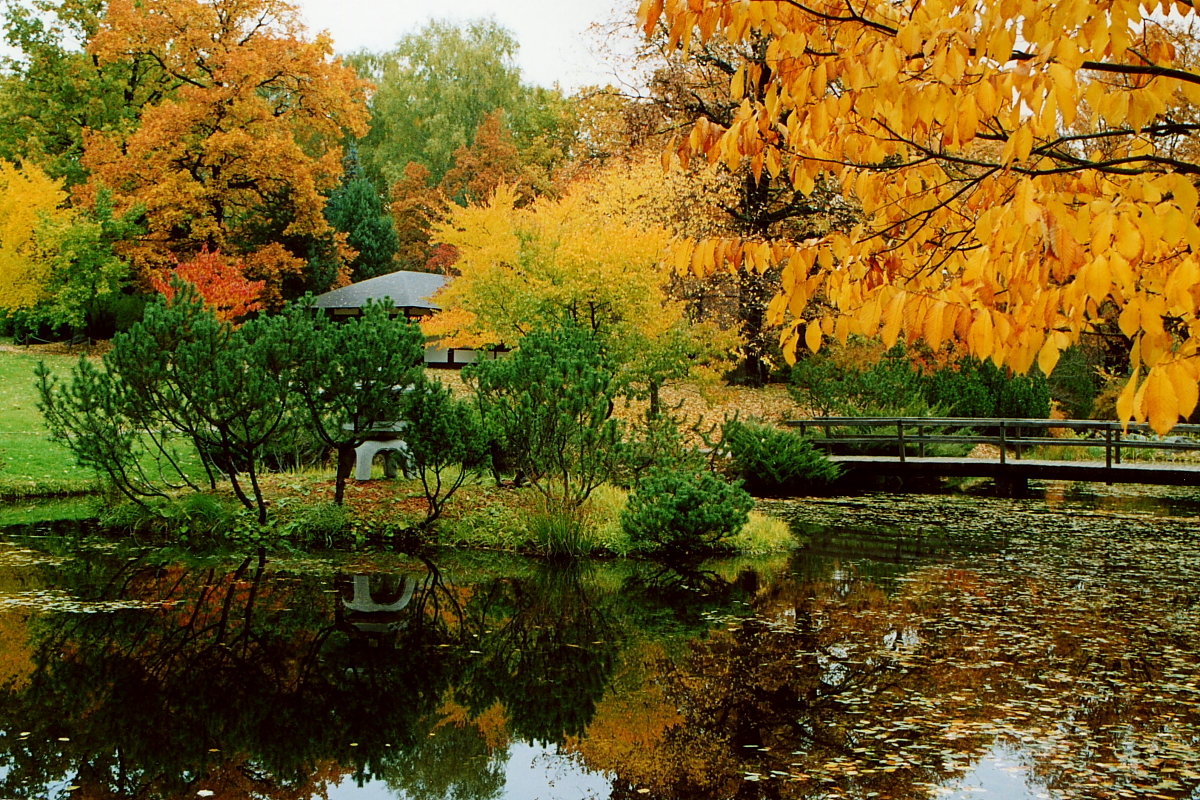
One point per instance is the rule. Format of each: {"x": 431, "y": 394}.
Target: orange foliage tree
{"x": 493, "y": 160}
{"x": 416, "y": 207}
{"x": 222, "y": 284}
{"x": 1021, "y": 169}
{"x": 237, "y": 155}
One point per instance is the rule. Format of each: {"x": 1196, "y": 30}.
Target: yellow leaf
{"x": 1097, "y": 279}
{"x": 1048, "y": 356}
{"x": 1126, "y": 397}
{"x": 1130, "y": 319}
{"x": 1022, "y": 142}
{"x": 1129, "y": 239}
{"x": 1161, "y": 405}
{"x": 935, "y": 325}
{"x": 841, "y": 329}
{"x": 1187, "y": 394}
{"x": 892, "y": 319}
{"x": 788, "y": 343}
{"x": 1185, "y": 193}
{"x": 812, "y": 335}
{"x": 980, "y": 338}
{"x": 968, "y": 120}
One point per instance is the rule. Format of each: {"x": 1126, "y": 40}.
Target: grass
{"x": 30, "y": 464}
{"x": 30, "y": 512}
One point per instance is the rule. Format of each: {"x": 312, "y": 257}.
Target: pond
{"x": 916, "y": 647}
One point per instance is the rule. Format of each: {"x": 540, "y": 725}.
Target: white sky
{"x": 556, "y": 44}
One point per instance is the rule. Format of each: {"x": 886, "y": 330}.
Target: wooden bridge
{"x": 1042, "y": 449}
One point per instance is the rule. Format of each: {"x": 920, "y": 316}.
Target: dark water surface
{"x": 918, "y": 647}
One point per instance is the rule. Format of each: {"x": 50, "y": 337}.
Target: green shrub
{"x": 772, "y": 461}
{"x": 180, "y": 372}
{"x": 835, "y": 383}
{"x": 319, "y": 524}
{"x": 446, "y": 442}
{"x": 680, "y": 512}
{"x": 974, "y": 388}
{"x": 550, "y": 404}
{"x": 656, "y": 443}
{"x": 1075, "y": 382}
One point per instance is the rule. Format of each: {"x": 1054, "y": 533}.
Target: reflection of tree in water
{"x": 250, "y": 683}
{"x": 835, "y": 689}
{"x": 233, "y": 683}
{"x": 454, "y": 761}
{"x": 418, "y": 620}
{"x": 680, "y": 596}
{"x": 546, "y": 650}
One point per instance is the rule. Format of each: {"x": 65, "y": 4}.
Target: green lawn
{"x": 29, "y": 462}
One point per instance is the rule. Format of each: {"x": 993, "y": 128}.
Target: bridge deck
{"x": 1167, "y": 473}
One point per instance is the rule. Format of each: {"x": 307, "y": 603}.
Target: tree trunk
{"x": 347, "y": 459}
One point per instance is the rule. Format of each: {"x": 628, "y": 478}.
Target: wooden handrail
{"x": 1012, "y": 432}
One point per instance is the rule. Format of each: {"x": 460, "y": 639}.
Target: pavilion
{"x": 411, "y": 293}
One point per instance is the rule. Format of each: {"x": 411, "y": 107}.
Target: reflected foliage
{"x": 883, "y": 661}
{"x": 547, "y": 650}
{"x": 1077, "y": 654}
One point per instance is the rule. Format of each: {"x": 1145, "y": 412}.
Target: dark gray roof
{"x": 406, "y": 290}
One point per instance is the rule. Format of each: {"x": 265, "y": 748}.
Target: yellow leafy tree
{"x": 583, "y": 255}
{"x": 1021, "y": 168}
{"x": 28, "y": 197}
{"x": 595, "y": 254}
{"x": 236, "y": 157}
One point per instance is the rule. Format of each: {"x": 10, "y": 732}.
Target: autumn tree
{"x": 1017, "y": 167}
{"x": 220, "y": 283}
{"x": 521, "y": 267}
{"x": 492, "y": 160}
{"x": 52, "y": 90}
{"x": 416, "y": 207}
{"x": 594, "y": 255}
{"x": 252, "y": 130}
{"x": 28, "y": 197}
{"x": 720, "y": 200}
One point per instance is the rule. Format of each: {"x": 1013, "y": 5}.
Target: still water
{"x": 916, "y": 647}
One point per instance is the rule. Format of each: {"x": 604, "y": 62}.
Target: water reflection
{"x": 1060, "y": 662}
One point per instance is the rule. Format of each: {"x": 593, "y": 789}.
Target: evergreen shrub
{"x": 676, "y": 512}
{"x": 771, "y": 461}
{"x": 974, "y": 388}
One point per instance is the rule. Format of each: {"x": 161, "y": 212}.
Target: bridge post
{"x": 1108, "y": 448}
{"x": 1003, "y": 443}
{"x": 900, "y": 437}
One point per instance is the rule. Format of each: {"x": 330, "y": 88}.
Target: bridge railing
{"x": 913, "y": 435}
